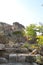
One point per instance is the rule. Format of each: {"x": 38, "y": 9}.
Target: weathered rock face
{"x": 2, "y": 46}
{"x": 16, "y": 58}
{"x": 17, "y": 27}
{"x": 30, "y": 59}
{"x": 19, "y": 58}
{"x": 24, "y": 50}
{"x": 21, "y": 50}
{"x": 3, "y": 60}
{"x": 16, "y": 50}
{"x": 7, "y": 30}
{"x": 12, "y": 58}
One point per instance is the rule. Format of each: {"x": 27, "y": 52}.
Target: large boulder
{"x": 21, "y": 59}
{"x": 17, "y": 26}
{"x": 16, "y": 58}
{"x": 13, "y": 58}
{"x": 3, "y": 60}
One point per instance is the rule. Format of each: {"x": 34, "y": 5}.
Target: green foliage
{"x": 40, "y": 40}
{"x": 26, "y": 45}
{"x": 39, "y": 59}
{"x": 40, "y": 29}
{"x": 30, "y": 30}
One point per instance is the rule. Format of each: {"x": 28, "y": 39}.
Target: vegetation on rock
{"x": 19, "y": 39}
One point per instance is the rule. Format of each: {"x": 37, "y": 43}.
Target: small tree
{"x": 30, "y": 31}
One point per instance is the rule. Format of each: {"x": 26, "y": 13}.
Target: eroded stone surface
{"x": 3, "y": 60}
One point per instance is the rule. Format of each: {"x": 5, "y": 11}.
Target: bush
{"x": 26, "y": 45}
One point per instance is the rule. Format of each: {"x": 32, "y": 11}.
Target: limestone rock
{"x": 3, "y": 60}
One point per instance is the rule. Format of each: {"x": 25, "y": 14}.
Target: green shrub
{"x": 26, "y": 45}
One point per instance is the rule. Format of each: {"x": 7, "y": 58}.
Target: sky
{"x": 23, "y": 11}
